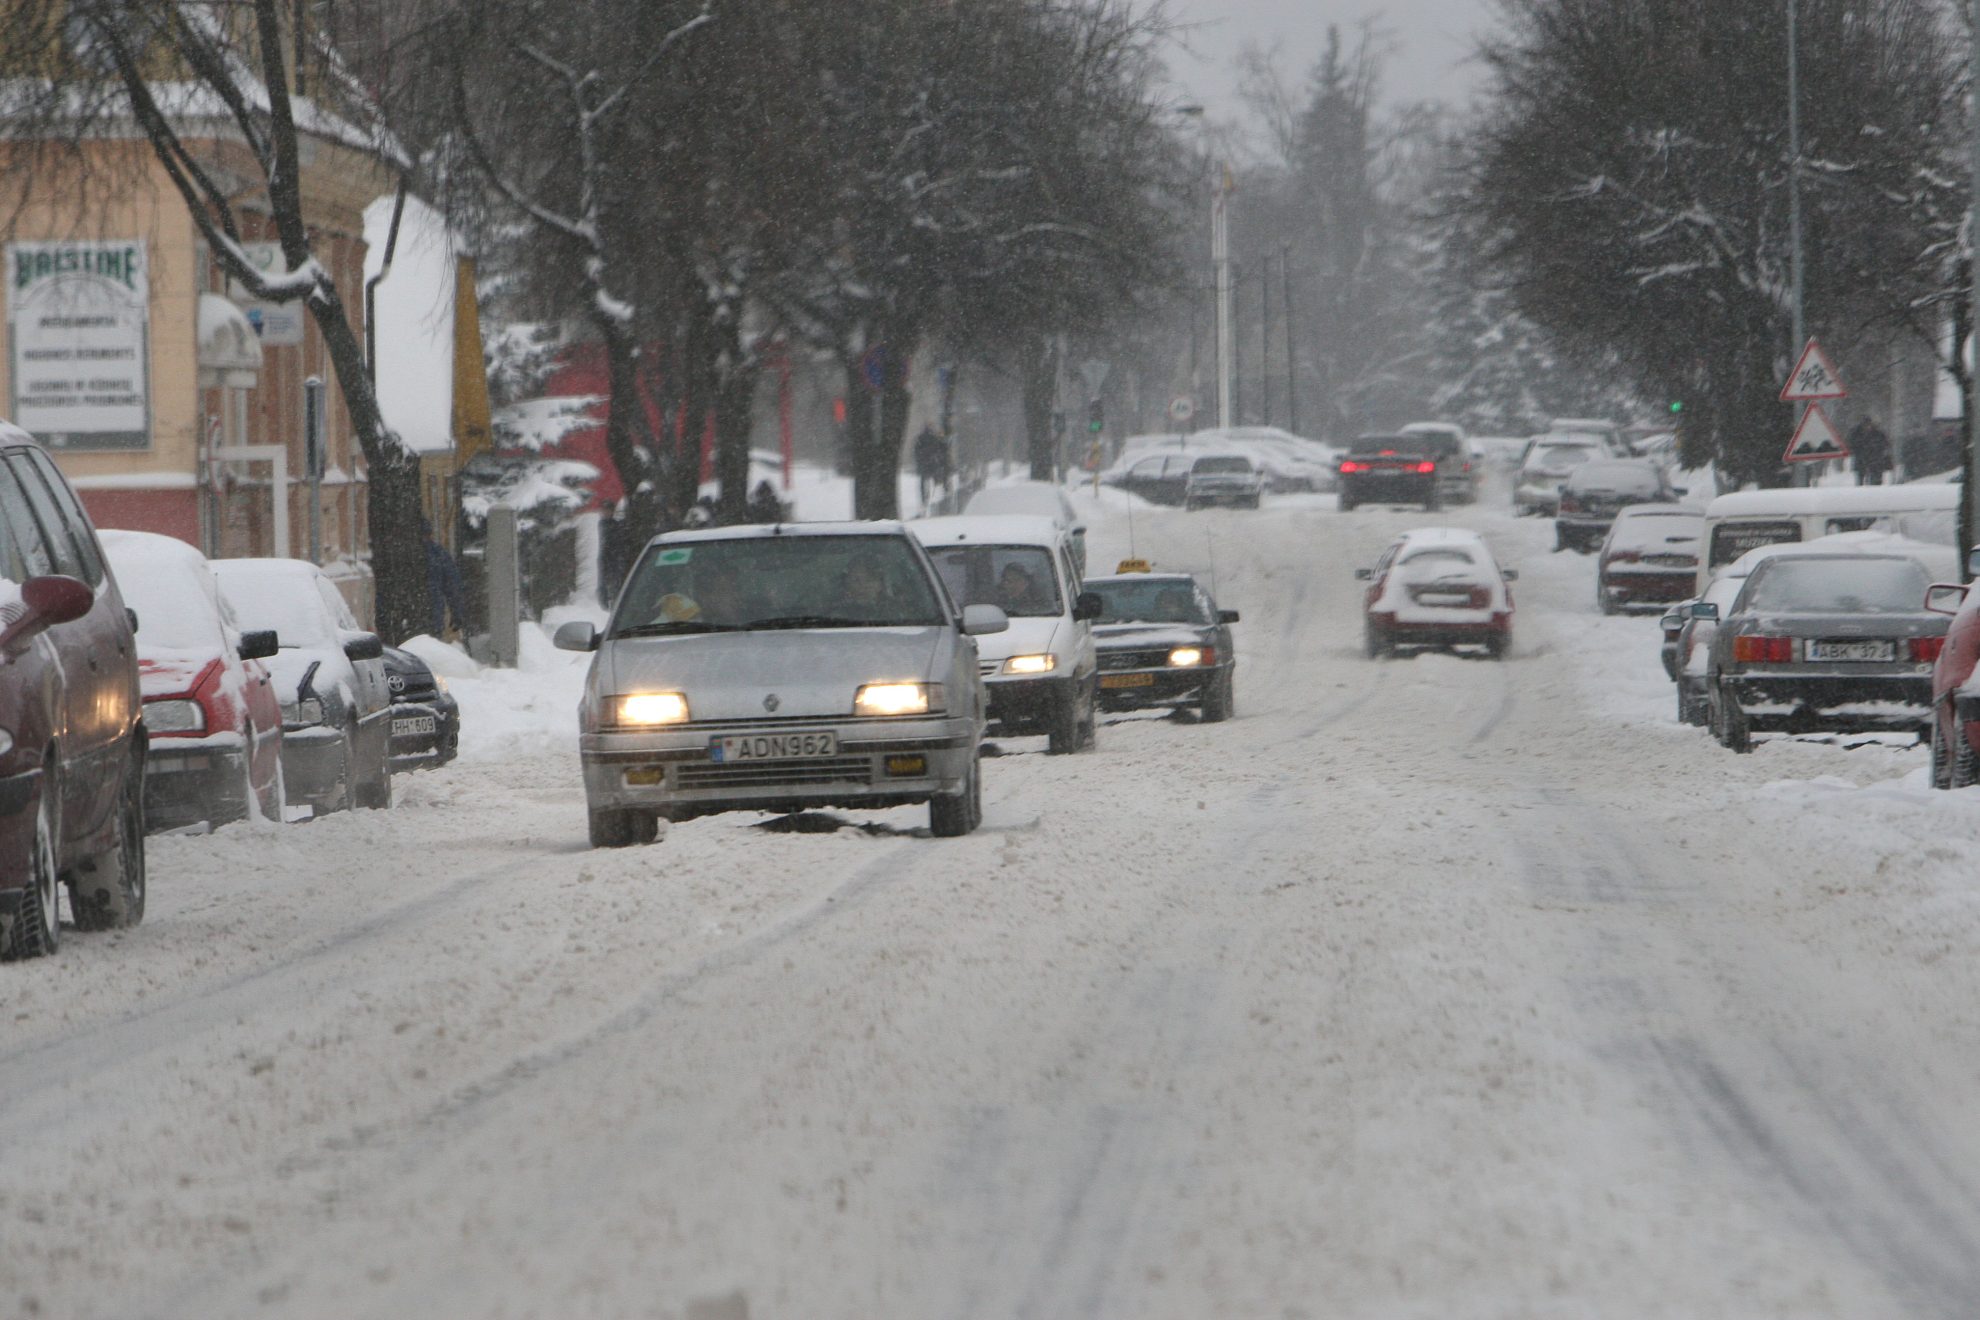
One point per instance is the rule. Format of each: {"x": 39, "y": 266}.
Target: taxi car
{"x": 1163, "y": 642}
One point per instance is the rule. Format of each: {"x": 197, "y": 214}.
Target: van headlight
{"x": 898, "y": 699}
{"x": 644, "y": 710}
{"x": 1031, "y": 664}
{"x": 174, "y": 717}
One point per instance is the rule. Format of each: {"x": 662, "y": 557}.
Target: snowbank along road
{"x": 1426, "y": 987}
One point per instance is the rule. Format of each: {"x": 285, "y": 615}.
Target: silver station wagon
{"x": 781, "y": 669}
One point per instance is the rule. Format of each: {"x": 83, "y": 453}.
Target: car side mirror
{"x": 50, "y": 600}
{"x": 130, "y": 617}
{"x": 1087, "y": 606}
{"x": 259, "y": 644}
{"x": 1227, "y": 616}
{"x": 1973, "y": 564}
{"x": 1945, "y": 597}
{"x": 979, "y": 620}
{"x": 1510, "y": 574}
{"x": 1364, "y": 575}
{"x": 363, "y": 646}
{"x": 575, "y": 636}
{"x": 1706, "y": 610}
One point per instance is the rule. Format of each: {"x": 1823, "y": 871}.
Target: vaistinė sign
{"x": 78, "y": 321}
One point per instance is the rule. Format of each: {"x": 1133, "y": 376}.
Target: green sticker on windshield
{"x": 676, "y": 556}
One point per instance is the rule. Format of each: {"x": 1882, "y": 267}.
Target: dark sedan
{"x": 426, "y": 720}
{"x": 1390, "y": 469}
{"x": 1163, "y": 642}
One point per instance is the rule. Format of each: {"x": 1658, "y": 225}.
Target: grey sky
{"x": 1431, "y": 40}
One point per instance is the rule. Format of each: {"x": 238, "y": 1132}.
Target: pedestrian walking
{"x": 446, "y": 595}
{"x": 1871, "y": 448}
{"x": 931, "y": 463}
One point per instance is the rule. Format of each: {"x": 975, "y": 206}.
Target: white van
{"x": 1042, "y": 675}
{"x": 1747, "y": 519}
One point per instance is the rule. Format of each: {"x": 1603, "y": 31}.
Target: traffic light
{"x": 1096, "y": 417}
{"x": 1677, "y": 406}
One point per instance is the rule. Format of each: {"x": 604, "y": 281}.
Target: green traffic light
{"x": 1677, "y": 406}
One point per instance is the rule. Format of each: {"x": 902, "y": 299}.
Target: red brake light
{"x": 1755, "y": 650}
{"x": 1626, "y": 557}
{"x": 1388, "y": 453}
{"x": 1925, "y": 650}
{"x": 1351, "y": 466}
{"x": 1426, "y": 467}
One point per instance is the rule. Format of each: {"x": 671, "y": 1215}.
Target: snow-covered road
{"x": 1433, "y": 987}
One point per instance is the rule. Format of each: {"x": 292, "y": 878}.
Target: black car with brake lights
{"x": 1163, "y": 642}
{"x": 1390, "y": 469}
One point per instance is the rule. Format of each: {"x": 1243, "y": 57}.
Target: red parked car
{"x": 1650, "y": 558}
{"x": 1955, "y": 702}
{"x": 71, "y": 745}
{"x": 209, "y": 706}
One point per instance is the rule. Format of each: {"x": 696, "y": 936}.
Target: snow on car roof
{"x": 988, "y": 529}
{"x": 13, "y": 435}
{"x": 1421, "y": 538}
{"x": 1798, "y": 500}
{"x": 1629, "y": 511}
{"x": 751, "y": 531}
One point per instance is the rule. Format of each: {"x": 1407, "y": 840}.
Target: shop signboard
{"x": 78, "y": 327}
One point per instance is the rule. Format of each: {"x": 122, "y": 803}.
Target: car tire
{"x": 107, "y": 892}
{"x": 1730, "y": 726}
{"x": 1254, "y": 502}
{"x": 37, "y": 928}
{"x": 1432, "y": 503}
{"x": 273, "y": 804}
{"x": 623, "y": 829}
{"x": 1063, "y": 735}
{"x": 1941, "y": 762}
{"x": 1497, "y": 645}
{"x": 375, "y": 794}
{"x": 1377, "y": 640}
{"x": 1963, "y": 769}
{"x": 953, "y": 817}
{"x": 1219, "y": 699}
{"x": 1346, "y": 504}
{"x": 1602, "y": 599}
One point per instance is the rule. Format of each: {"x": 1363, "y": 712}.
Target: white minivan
{"x": 1747, "y": 519}
{"x": 1042, "y": 674}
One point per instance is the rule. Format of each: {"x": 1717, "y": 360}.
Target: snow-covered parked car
{"x": 780, "y": 669}
{"x": 1595, "y": 492}
{"x": 210, "y": 708}
{"x": 1289, "y": 463}
{"x": 329, "y": 678}
{"x": 1227, "y": 480}
{"x": 1548, "y": 462}
{"x": 1032, "y": 499}
{"x": 1041, "y": 673}
{"x": 1437, "y": 586}
{"x": 1649, "y": 558}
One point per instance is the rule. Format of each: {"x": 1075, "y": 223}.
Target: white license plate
{"x": 772, "y": 747}
{"x": 1870, "y": 651}
{"x": 413, "y": 724}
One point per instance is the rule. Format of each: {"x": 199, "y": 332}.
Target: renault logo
{"x": 770, "y": 703}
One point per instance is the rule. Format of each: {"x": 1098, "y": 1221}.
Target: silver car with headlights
{"x": 781, "y": 669}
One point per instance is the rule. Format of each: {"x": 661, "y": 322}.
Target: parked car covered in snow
{"x": 329, "y": 678}
{"x": 426, "y": 720}
{"x": 1445, "y": 441}
{"x": 1437, "y": 586}
{"x": 1595, "y": 492}
{"x": 760, "y": 669}
{"x": 1041, "y": 672}
{"x": 1548, "y": 463}
{"x": 210, "y": 707}
{"x": 1836, "y": 641}
{"x": 1738, "y": 522}
{"x": 1649, "y": 558}
{"x": 71, "y": 742}
{"x": 1163, "y": 642}
{"x": 1228, "y": 480}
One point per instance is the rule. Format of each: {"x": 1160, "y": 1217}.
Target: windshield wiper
{"x": 683, "y": 626}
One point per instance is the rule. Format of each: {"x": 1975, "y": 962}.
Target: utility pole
{"x": 1794, "y": 209}
{"x": 1234, "y": 280}
{"x": 1292, "y": 361}
{"x": 1265, "y": 338}
{"x": 1220, "y": 256}
{"x": 1973, "y": 333}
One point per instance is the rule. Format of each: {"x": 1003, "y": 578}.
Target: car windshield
{"x": 1558, "y": 458}
{"x": 1156, "y": 600}
{"x": 1630, "y": 477}
{"x": 1207, "y": 465}
{"x": 176, "y": 610}
{"x": 1837, "y": 586}
{"x": 1448, "y": 554}
{"x": 760, "y": 582}
{"x": 283, "y": 601}
{"x": 1018, "y": 579}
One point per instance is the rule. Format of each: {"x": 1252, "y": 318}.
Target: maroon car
{"x": 1650, "y": 558}
{"x": 1955, "y": 704}
{"x": 71, "y": 745}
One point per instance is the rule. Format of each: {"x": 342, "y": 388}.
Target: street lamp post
{"x": 1220, "y": 257}
{"x": 1806, "y": 475}
{"x": 1973, "y": 318}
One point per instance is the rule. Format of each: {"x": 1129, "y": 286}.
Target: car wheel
{"x": 108, "y": 891}
{"x": 1497, "y": 645}
{"x": 1346, "y": 505}
{"x": 953, "y": 817}
{"x": 1063, "y": 737}
{"x": 1941, "y": 760}
{"x": 375, "y": 794}
{"x": 1603, "y": 599}
{"x": 1731, "y": 726}
{"x": 1217, "y": 699}
{"x": 623, "y": 829}
{"x": 1964, "y": 769}
{"x": 37, "y": 928}
{"x": 273, "y": 804}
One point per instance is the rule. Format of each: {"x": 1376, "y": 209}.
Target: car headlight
{"x": 307, "y": 711}
{"x": 174, "y": 717}
{"x": 898, "y": 699}
{"x": 440, "y": 682}
{"x": 646, "y": 709}
{"x": 6, "y": 742}
{"x": 1188, "y": 657}
{"x": 1031, "y": 664}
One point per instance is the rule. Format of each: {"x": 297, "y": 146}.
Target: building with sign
{"x": 173, "y": 403}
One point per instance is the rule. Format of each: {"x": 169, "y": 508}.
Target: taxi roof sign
{"x": 1134, "y": 566}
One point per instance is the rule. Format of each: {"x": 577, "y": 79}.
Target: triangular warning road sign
{"x": 1816, "y": 439}
{"x": 1814, "y": 377}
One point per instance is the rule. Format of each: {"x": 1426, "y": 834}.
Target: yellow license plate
{"x": 1127, "y": 680}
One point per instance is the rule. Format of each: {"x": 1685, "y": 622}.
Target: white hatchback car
{"x": 1043, "y": 673}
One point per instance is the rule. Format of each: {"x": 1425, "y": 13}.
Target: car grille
{"x": 1134, "y": 659}
{"x": 778, "y": 774}
{"x": 990, "y": 668}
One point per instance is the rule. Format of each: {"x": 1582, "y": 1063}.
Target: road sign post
{"x": 1816, "y": 439}
{"x": 1813, "y": 381}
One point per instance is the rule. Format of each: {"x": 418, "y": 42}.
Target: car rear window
{"x": 1730, "y": 540}
{"x": 1558, "y": 458}
{"x": 1837, "y": 586}
{"x": 1632, "y": 478}
{"x": 1226, "y": 464}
